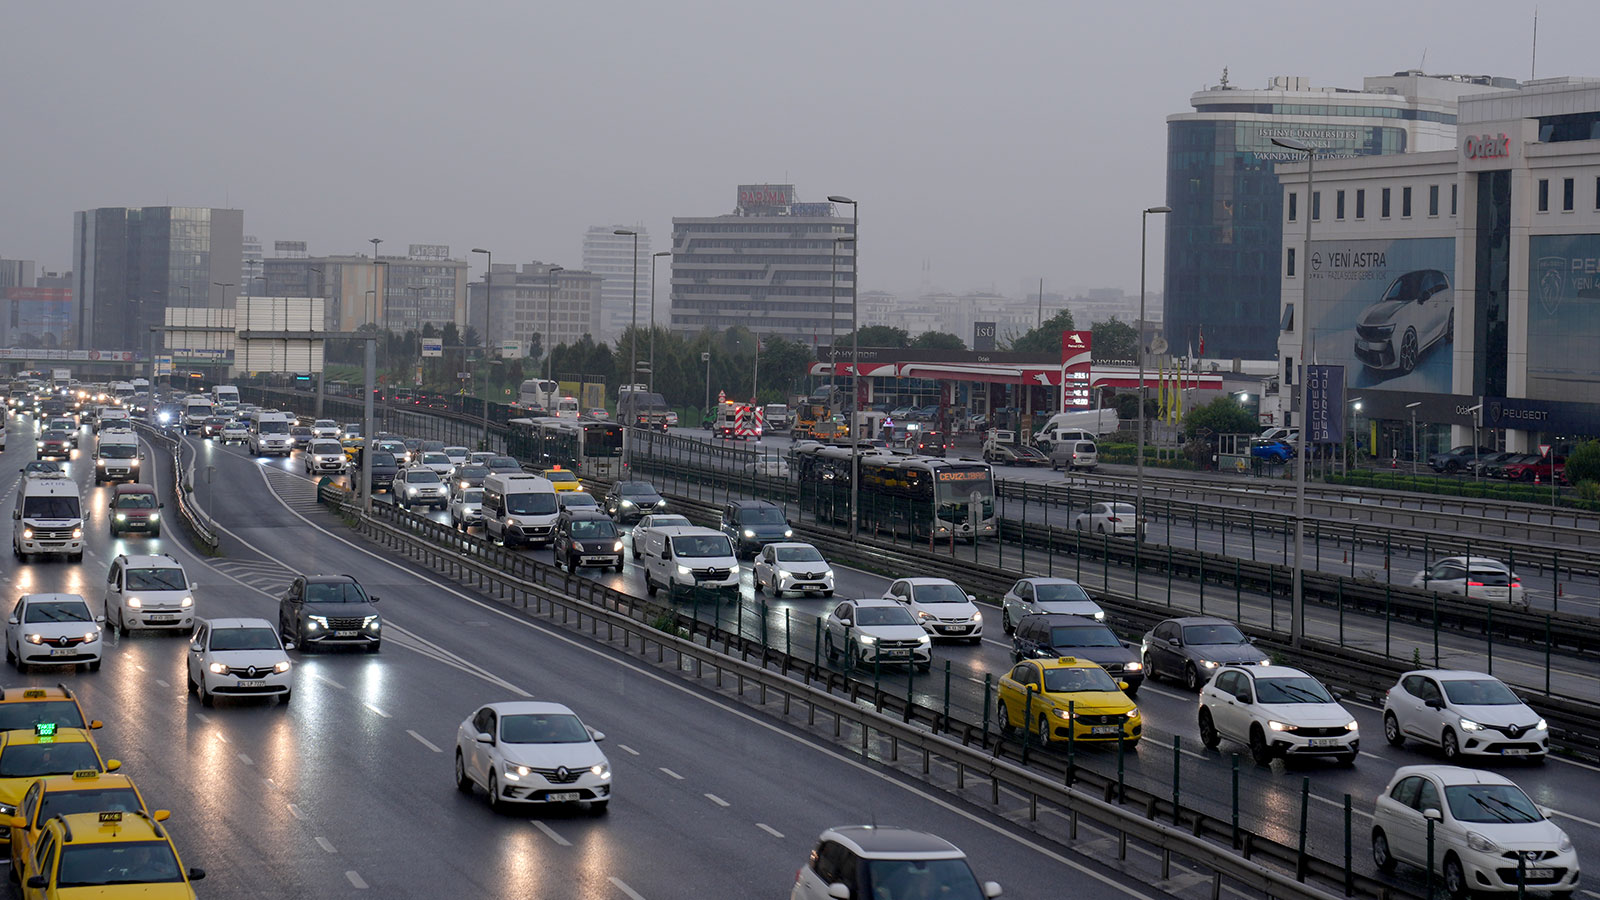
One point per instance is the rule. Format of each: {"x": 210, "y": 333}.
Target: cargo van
{"x": 225, "y": 395}
{"x": 519, "y": 508}
{"x": 269, "y": 433}
{"x": 1078, "y": 452}
{"x": 116, "y": 457}
{"x": 48, "y": 518}
{"x": 195, "y": 411}
{"x": 1072, "y": 426}
{"x": 684, "y": 557}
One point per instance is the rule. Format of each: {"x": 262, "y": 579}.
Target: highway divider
{"x": 182, "y": 490}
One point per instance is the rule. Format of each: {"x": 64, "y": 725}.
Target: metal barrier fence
{"x": 198, "y": 523}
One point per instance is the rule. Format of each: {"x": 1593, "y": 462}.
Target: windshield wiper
{"x": 1520, "y": 812}
{"x": 1484, "y": 804}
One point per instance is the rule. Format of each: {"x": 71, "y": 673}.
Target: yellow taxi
{"x": 352, "y": 444}
{"x": 1071, "y": 696}
{"x": 30, "y": 706}
{"x": 85, "y": 790}
{"x": 112, "y": 853}
{"x": 45, "y": 749}
{"x": 563, "y": 479}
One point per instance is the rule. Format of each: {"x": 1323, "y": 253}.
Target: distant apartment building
{"x": 611, "y": 256}
{"x": 131, "y": 263}
{"x": 425, "y": 286}
{"x": 773, "y": 265}
{"x": 527, "y": 304}
{"x": 250, "y": 275}
{"x": 16, "y": 273}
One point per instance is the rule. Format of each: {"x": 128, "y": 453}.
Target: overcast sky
{"x": 993, "y": 142}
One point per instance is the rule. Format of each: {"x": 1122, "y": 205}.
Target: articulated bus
{"x": 590, "y": 448}
{"x": 919, "y": 496}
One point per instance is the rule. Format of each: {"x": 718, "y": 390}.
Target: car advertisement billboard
{"x": 1564, "y": 317}
{"x": 1385, "y": 310}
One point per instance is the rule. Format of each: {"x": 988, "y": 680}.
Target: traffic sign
{"x": 722, "y": 396}
{"x": 1544, "y": 449}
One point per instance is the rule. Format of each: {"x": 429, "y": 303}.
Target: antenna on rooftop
{"x": 1534, "y": 61}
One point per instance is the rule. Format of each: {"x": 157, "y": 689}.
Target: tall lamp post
{"x": 1415, "y": 452}
{"x": 855, "y": 360}
{"x": 633, "y": 337}
{"x": 224, "y": 285}
{"x": 1303, "y": 322}
{"x": 488, "y": 299}
{"x": 548, "y": 344}
{"x": 653, "y": 257}
{"x": 1138, "y": 498}
{"x": 310, "y": 292}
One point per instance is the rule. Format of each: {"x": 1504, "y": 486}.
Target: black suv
{"x": 320, "y": 610}
{"x": 384, "y": 468}
{"x": 628, "y": 501}
{"x": 753, "y": 524}
{"x": 586, "y": 537}
{"x": 1049, "y": 635}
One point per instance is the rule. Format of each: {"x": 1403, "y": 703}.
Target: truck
{"x": 638, "y": 407}
{"x": 735, "y": 420}
{"x": 225, "y": 395}
{"x": 778, "y": 417}
{"x": 1067, "y": 426}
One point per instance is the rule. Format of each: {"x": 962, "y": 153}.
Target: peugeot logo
{"x": 561, "y": 773}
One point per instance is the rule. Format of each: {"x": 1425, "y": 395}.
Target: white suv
{"x": 1277, "y": 711}
{"x": 53, "y": 629}
{"x": 1464, "y": 714}
{"x": 886, "y": 861}
{"x": 239, "y": 658}
{"x": 149, "y": 592}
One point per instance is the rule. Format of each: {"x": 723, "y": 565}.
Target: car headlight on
{"x": 1469, "y": 725}
{"x": 186, "y": 602}
{"x": 577, "y": 547}
{"x": 1351, "y": 726}
{"x": 155, "y": 517}
{"x": 924, "y": 640}
{"x": 315, "y": 622}
{"x": 1480, "y": 843}
{"x": 685, "y": 570}
{"x": 788, "y": 532}
{"x": 281, "y": 666}
{"x": 749, "y": 532}
{"x": 122, "y": 517}
{"x": 77, "y": 533}
{"x": 7, "y": 809}
{"x": 35, "y": 639}
{"x": 101, "y": 463}
{"x": 27, "y": 534}
{"x": 1282, "y": 726}
{"x": 134, "y": 463}
{"x": 1100, "y": 617}
{"x": 92, "y": 636}
{"x": 462, "y": 484}
{"x": 601, "y": 769}
{"x": 1210, "y": 664}
{"x": 218, "y": 668}
{"x": 627, "y": 503}
{"x": 616, "y": 546}
{"x": 135, "y": 603}
{"x": 1133, "y": 713}
{"x": 867, "y": 639}
{"x": 923, "y": 615}
{"x": 977, "y": 617}
{"x": 1133, "y": 667}
{"x": 1541, "y": 726}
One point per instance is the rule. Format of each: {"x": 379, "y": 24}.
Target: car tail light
{"x": 1475, "y": 584}
{"x": 1113, "y": 519}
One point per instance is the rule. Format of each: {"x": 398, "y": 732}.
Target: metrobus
{"x": 588, "y": 447}
{"x": 922, "y": 497}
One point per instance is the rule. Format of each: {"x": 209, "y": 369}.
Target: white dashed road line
{"x": 324, "y": 843}
{"x": 717, "y": 800}
{"x": 375, "y": 709}
{"x": 163, "y": 682}
{"x": 628, "y": 750}
{"x": 623, "y": 887}
{"x": 769, "y": 829}
{"x": 320, "y": 677}
{"x": 424, "y": 741}
{"x": 671, "y": 774}
{"x": 355, "y": 880}
{"x": 551, "y": 833}
{"x": 295, "y": 811}
{"x": 246, "y": 760}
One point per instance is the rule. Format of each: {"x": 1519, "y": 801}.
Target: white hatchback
{"x": 1463, "y": 714}
{"x": 53, "y": 629}
{"x": 150, "y": 592}
{"x": 1476, "y": 578}
{"x": 1047, "y": 595}
{"x": 532, "y": 752}
{"x": 940, "y": 606}
{"x": 792, "y": 566}
{"x": 239, "y": 658}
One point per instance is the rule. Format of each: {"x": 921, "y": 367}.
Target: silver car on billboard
{"x": 1416, "y": 312}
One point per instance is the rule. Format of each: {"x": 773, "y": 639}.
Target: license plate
{"x": 597, "y": 560}
{"x": 344, "y": 634}
{"x": 1540, "y": 872}
{"x": 1104, "y": 729}
{"x": 162, "y": 618}
{"x": 63, "y": 651}
{"x": 951, "y": 629}
{"x": 252, "y": 684}
{"x": 894, "y": 654}
{"x": 1323, "y": 742}
{"x": 563, "y": 795}
{"x": 1514, "y": 751}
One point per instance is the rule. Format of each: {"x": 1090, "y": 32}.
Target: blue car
{"x": 1272, "y": 451}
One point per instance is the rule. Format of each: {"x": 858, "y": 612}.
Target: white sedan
{"x": 53, "y": 629}
{"x": 466, "y": 508}
{"x": 1484, "y": 825}
{"x": 532, "y": 752}
{"x": 650, "y": 522}
{"x": 239, "y": 658}
{"x": 1109, "y": 518}
{"x": 1278, "y": 712}
{"x": 326, "y": 429}
{"x": 438, "y": 462}
{"x": 458, "y": 455}
{"x": 875, "y": 631}
{"x": 1476, "y": 578}
{"x": 792, "y": 566}
{"x": 940, "y": 606}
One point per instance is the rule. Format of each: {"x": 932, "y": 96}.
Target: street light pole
{"x": 633, "y": 337}
{"x": 653, "y": 257}
{"x": 1303, "y": 322}
{"x": 705, "y": 357}
{"x": 855, "y": 363}
{"x": 548, "y": 345}
{"x": 224, "y": 285}
{"x": 1414, "y": 451}
{"x": 488, "y": 299}
{"x": 1144, "y": 239}
{"x": 321, "y": 370}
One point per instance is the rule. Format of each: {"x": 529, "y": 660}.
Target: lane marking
{"x": 551, "y": 833}
{"x": 295, "y": 811}
{"x": 671, "y": 774}
{"x": 1339, "y": 804}
{"x": 424, "y": 741}
{"x": 246, "y": 760}
{"x": 321, "y": 677}
{"x": 718, "y": 800}
{"x": 272, "y": 784}
{"x": 376, "y": 710}
{"x": 355, "y": 880}
{"x": 623, "y": 887}
{"x": 1590, "y": 822}
{"x": 769, "y": 830}
{"x": 628, "y": 750}
{"x": 222, "y": 737}
{"x": 202, "y": 717}
{"x": 324, "y": 844}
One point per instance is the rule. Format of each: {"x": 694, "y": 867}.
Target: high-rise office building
{"x": 773, "y": 265}
{"x": 1223, "y": 236}
{"x": 425, "y": 286}
{"x": 250, "y": 274}
{"x": 131, "y": 263}
{"x": 610, "y": 255}
{"x": 529, "y": 305}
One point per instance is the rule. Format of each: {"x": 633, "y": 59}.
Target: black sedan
{"x": 1190, "y": 648}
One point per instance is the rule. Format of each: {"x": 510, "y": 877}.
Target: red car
{"x": 135, "y": 507}
{"x": 1538, "y": 470}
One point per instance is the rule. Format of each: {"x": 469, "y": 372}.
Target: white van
{"x": 269, "y": 433}
{"x": 686, "y": 557}
{"x": 225, "y": 395}
{"x": 116, "y": 457}
{"x": 149, "y": 592}
{"x": 196, "y": 410}
{"x": 1071, "y": 426}
{"x": 48, "y": 518}
{"x": 519, "y": 508}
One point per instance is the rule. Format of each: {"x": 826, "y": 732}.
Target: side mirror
{"x": 161, "y": 815}
{"x": 194, "y": 648}
{"x": 485, "y": 737}
{"x": 113, "y": 764}
{"x": 971, "y": 599}
{"x": 1122, "y": 685}
{"x": 161, "y": 506}
{"x": 13, "y": 821}
{"x": 991, "y": 889}
{"x": 1172, "y": 642}
{"x": 99, "y": 620}
{"x": 96, "y": 723}
{"x": 288, "y": 645}
{"x": 16, "y": 514}
{"x": 1434, "y": 703}
{"x": 837, "y": 890}
{"x": 1433, "y": 814}
{"x": 13, "y": 620}
{"x": 196, "y": 873}
{"x": 373, "y": 599}
{"x": 37, "y": 882}
{"x": 596, "y": 736}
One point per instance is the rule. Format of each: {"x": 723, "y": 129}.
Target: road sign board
{"x": 1544, "y": 449}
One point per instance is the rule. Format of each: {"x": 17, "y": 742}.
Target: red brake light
{"x": 1475, "y": 584}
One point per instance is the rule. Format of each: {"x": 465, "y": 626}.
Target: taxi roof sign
{"x": 33, "y": 693}
{"x": 45, "y": 729}
{"x": 85, "y": 773}
{"x": 109, "y": 817}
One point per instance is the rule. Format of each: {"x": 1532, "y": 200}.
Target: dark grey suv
{"x": 325, "y": 610}
{"x": 1050, "y": 635}
{"x": 753, "y": 524}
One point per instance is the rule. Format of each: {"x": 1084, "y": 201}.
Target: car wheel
{"x": 1191, "y": 677}
{"x": 649, "y": 585}
{"x": 122, "y": 623}
{"x": 1381, "y": 857}
{"x": 1044, "y": 730}
{"x": 1208, "y": 730}
{"x": 1149, "y": 668}
{"x": 1452, "y": 467}
{"x": 10, "y": 657}
{"x": 463, "y": 781}
{"x": 1260, "y": 751}
{"x": 618, "y": 567}
{"x": 1409, "y": 351}
{"x": 155, "y": 532}
{"x": 1451, "y": 745}
{"x": 206, "y": 697}
{"x": 495, "y": 803}
{"x": 1005, "y": 719}
{"x": 637, "y": 556}
{"x": 852, "y": 657}
{"x": 1100, "y": 529}
{"x": 1455, "y": 878}
{"x": 827, "y": 593}
{"x": 827, "y": 648}
{"x": 1005, "y": 621}
{"x": 1391, "y": 730}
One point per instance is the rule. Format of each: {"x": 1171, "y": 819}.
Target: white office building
{"x": 611, "y": 256}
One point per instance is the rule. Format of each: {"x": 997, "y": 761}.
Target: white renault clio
{"x": 239, "y": 658}
{"x": 532, "y": 752}
{"x": 53, "y": 629}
